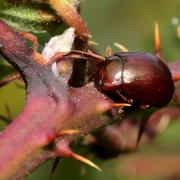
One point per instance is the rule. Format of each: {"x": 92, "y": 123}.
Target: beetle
{"x": 137, "y": 77}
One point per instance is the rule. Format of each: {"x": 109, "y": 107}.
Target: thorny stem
{"x": 22, "y": 140}
{"x": 50, "y": 107}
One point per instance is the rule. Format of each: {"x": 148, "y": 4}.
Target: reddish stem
{"x": 50, "y": 107}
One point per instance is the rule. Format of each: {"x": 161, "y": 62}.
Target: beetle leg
{"x": 121, "y": 47}
{"x": 157, "y": 42}
{"x": 36, "y": 56}
{"x": 109, "y": 51}
{"x": 129, "y": 101}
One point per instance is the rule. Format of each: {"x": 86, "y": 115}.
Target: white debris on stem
{"x": 62, "y": 43}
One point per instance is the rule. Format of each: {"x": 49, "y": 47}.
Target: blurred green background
{"x": 131, "y": 23}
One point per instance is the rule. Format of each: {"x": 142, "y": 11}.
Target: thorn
{"x": 89, "y": 35}
{"x": 108, "y": 51}
{"x": 142, "y": 127}
{"x": 55, "y": 164}
{"x": 92, "y": 43}
{"x": 176, "y": 77}
{"x": 52, "y": 136}
{"x": 89, "y": 51}
{"x": 85, "y": 160}
{"x": 31, "y": 38}
{"x": 157, "y": 42}
{"x": 68, "y": 132}
{"x": 37, "y": 56}
{"x": 121, "y": 105}
{"x": 121, "y": 47}
{"x": 63, "y": 150}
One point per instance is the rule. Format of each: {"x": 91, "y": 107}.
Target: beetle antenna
{"x": 83, "y": 54}
{"x": 76, "y": 54}
{"x": 157, "y": 42}
{"x": 121, "y": 47}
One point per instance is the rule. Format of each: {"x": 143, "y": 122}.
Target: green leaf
{"x": 30, "y": 16}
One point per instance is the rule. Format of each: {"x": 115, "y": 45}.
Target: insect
{"x": 136, "y": 77}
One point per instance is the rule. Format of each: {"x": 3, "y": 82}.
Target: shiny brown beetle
{"x": 136, "y": 77}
